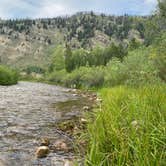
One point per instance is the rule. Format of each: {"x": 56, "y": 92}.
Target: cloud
{"x": 15, "y": 8}
{"x": 53, "y": 8}
{"x": 151, "y": 1}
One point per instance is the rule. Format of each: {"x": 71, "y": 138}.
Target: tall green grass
{"x": 7, "y": 76}
{"x": 129, "y": 128}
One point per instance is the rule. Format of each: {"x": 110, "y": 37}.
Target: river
{"x": 28, "y": 112}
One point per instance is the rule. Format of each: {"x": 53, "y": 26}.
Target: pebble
{"x": 86, "y": 108}
{"x": 45, "y": 142}
{"x": 60, "y": 145}
{"x": 42, "y": 151}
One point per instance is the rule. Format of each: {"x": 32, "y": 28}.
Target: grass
{"x": 129, "y": 128}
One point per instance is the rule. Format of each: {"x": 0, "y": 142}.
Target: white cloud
{"x": 151, "y": 2}
{"x": 52, "y": 9}
{"x": 8, "y": 7}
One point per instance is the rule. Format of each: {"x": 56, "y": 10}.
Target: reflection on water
{"x": 26, "y": 112}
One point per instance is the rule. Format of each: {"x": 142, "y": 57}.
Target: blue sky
{"x": 53, "y": 8}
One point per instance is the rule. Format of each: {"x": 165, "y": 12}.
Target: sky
{"x": 52, "y": 8}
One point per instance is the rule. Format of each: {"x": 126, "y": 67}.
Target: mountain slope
{"x": 29, "y": 42}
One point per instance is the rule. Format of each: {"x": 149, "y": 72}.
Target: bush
{"x": 34, "y": 69}
{"x": 94, "y": 77}
{"x": 7, "y": 76}
{"x": 159, "y": 56}
{"x": 75, "y": 79}
{"x": 86, "y": 77}
{"x": 57, "y": 76}
{"x": 136, "y": 69}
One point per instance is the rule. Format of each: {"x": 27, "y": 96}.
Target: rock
{"x": 99, "y": 100}
{"x": 86, "y": 108}
{"x": 74, "y": 90}
{"x": 42, "y": 151}
{"x": 68, "y": 163}
{"x": 75, "y": 94}
{"x": 135, "y": 124}
{"x": 83, "y": 120}
{"x": 60, "y": 145}
{"x": 45, "y": 142}
{"x": 92, "y": 98}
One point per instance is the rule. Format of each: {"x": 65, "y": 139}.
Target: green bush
{"x": 57, "y": 77}
{"x": 136, "y": 69}
{"x": 34, "y": 69}
{"x": 86, "y": 77}
{"x": 94, "y": 77}
{"x": 159, "y": 56}
{"x": 7, "y": 76}
{"x": 75, "y": 79}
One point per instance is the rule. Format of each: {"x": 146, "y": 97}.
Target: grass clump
{"x": 7, "y": 76}
{"x": 130, "y": 128}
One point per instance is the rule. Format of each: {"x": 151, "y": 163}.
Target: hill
{"x": 30, "y": 42}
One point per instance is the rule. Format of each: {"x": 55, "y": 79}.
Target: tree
{"x": 160, "y": 56}
{"x": 69, "y": 65}
{"x": 162, "y": 8}
{"x": 58, "y": 59}
{"x": 134, "y": 44}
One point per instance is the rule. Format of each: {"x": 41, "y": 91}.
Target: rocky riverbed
{"x": 29, "y": 112}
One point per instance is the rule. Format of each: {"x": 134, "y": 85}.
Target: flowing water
{"x": 28, "y": 112}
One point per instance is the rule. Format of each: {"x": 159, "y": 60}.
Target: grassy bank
{"x": 129, "y": 129}
{"x": 7, "y": 76}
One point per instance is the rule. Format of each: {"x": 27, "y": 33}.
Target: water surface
{"x": 27, "y": 112}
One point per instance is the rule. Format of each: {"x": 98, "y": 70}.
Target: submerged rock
{"x": 86, "y": 108}
{"x": 60, "y": 145}
{"x": 42, "y": 151}
{"x": 84, "y": 120}
{"x": 45, "y": 142}
{"x": 68, "y": 163}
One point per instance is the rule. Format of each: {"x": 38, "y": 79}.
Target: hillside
{"x": 30, "y": 42}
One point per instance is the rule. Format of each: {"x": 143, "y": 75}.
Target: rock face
{"x": 42, "y": 151}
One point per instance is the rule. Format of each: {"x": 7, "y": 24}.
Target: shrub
{"x": 86, "y": 77}
{"x": 7, "y": 76}
{"x": 57, "y": 76}
{"x": 160, "y": 56}
{"x": 94, "y": 77}
{"x": 34, "y": 69}
{"x": 74, "y": 79}
{"x": 136, "y": 69}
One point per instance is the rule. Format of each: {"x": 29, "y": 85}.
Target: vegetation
{"x": 34, "y": 69}
{"x": 129, "y": 72}
{"x": 141, "y": 66}
{"x": 81, "y": 26}
{"x": 7, "y": 76}
{"x": 129, "y": 127}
